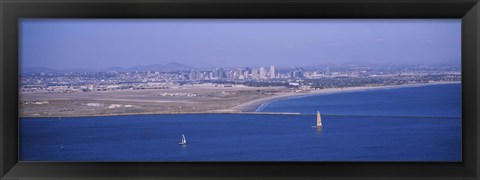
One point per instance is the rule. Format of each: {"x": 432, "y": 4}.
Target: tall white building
{"x": 255, "y": 74}
{"x": 272, "y": 72}
{"x": 263, "y": 73}
{"x": 246, "y": 74}
{"x": 239, "y": 74}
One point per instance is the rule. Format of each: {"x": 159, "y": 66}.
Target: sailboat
{"x": 183, "y": 141}
{"x": 319, "y": 121}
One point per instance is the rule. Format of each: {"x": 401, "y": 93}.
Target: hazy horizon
{"x": 100, "y": 44}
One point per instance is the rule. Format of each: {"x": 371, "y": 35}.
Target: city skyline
{"x": 184, "y": 67}
{"x": 70, "y": 44}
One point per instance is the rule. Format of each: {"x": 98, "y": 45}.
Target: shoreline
{"x": 173, "y": 113}
{"x": 251, "y": 107}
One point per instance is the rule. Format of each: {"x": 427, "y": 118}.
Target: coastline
{"x": 172, "y": 113}
{"x": 253, "y": 106}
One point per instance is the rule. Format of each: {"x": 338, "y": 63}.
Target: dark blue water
{"x": 443, "y": 100}
{"x": 240, "y": 137}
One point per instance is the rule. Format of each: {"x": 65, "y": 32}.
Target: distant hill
{"x": 36, "y": 70}
{"x": 141, "y": 68}
{"x": 51, "y": 70}
{"x": 116, "y": 69}
{"x": 160, "y": 67}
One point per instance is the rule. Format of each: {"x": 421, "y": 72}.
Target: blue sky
{"x": 98, "y": 44}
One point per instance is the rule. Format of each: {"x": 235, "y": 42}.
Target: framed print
{"x": 311, "y": 89}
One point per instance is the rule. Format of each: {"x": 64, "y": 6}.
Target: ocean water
{"x": 441, "y": 100}
{"x": 405, "y": 124}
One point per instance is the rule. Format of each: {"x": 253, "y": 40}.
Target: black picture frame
{"x": 12, "y": 10}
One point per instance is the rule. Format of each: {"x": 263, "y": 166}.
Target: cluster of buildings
{"x": 325, "y": 77}
{"x": 261, "y": 74}
{"x": 239, "y": 74}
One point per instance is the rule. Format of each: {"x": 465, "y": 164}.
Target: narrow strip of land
{"x": 185, "y": 100}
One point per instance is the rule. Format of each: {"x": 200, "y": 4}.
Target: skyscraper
{"x": 219, "y": 73}
{"x": 272, "y": 72}
{"x": 246, "y": 74}
{"x": 263, "y": 73}
{"x": 254, "y": 73}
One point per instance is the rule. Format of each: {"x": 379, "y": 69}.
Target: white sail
{"x": 183, "y": 141}
{"x": 319, "y": 119}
